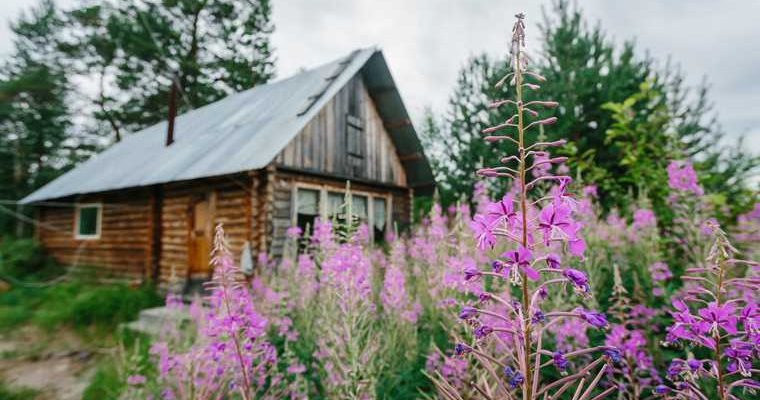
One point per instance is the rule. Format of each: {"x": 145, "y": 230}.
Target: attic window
{"x": 88, "y": 221}
{"x": 354, "y": 98}
{"x": 354, "y": 142}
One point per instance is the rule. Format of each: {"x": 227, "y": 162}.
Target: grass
{"x": 78, "y": 304}
{"x": 7, "y": 393}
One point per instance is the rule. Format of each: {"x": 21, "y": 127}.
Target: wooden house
{"x": 258, "y": 161}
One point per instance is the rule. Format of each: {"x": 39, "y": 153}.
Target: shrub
{"x": 24, "y": 259}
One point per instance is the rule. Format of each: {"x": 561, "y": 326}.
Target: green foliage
{"x": 34, "y": 115}
{"x": 24, "y": 259}
{"x": 106, "y": 383}
{"x": 132, "y": 356}
{"x": 133, "y": 51}
{"x": 7, "y": 393}
{"x": 608, "y": 96}
{"x": 211, "y": 48}
{"x": 643, "y": 137}
{"x": 85, "y": 306}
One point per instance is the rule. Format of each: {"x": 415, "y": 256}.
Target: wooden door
{"x": 200, "y": 239}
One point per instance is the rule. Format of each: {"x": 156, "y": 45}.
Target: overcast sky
{"x": 426, "y": 42}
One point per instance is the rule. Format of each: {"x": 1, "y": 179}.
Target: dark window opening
{"x": 307, "y": 209}
{"x": 379, "y": 219}
{"x": 354, "y": 98}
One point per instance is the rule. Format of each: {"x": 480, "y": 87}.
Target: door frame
{"x": 210, "y": 196}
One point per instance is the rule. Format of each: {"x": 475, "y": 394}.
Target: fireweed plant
{"x": 716, "y": 315}
{"x": 508, "y": 340}
{"x": 228, "y": 354}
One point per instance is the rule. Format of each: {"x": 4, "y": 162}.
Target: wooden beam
{"x": 411, "y": 157}
{"x": 400, "y": 123}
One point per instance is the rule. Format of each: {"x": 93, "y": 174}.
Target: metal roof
{"x": 243, "y": 132}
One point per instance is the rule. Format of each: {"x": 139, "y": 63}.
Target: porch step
{"x": 152, "y": 321}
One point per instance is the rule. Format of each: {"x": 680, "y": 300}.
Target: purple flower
{"x": 521, "y": 258}
{"x": 719, "y": 317}
{"x": 750, "y": 318}
{"x": 694, "y": 365}
{"x": 661, "y": 389}
{"x": 470, "y": 273}
{"x": 514, "y": 378}
{"x": 578, "y": 279}
{"x": 135, "y": 380}
{"x": 461, "y": 349}
{"x": 555, "y": 216}
{"x": 482, "y": 331}
{"x": 590, "y": 191}
{"x": 538, "y": 317}
{"x": 681, "y": 176}
{"x": 643, "y": 219}
{"x": 497, "y": 266}
{"x": 296, "y": 369}
{"x": 294, "y": 232}
{"x": 484, "y": 297}
{"x": 468, "y": 313}
{"x": 559, "y": 360}
{"x": 502, "y": 210}
{"x": 675, "y": 368}
{"x": 613, "y": 354}
{"x": 483, "y": 230}
{"x": 575, "y": 244}
{"x": 553, "y": 261}
{"x": 739, "y": 355}
{"x": 660, "y": 271}
{"x": 593, "y": 318}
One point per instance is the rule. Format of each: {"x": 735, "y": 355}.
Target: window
{"x": 354, "y": 98}
{"x": 369, "y": 209}
{"x": 359, "y": 208}
{"x": 354, "y": 130}
{"x": 336, "y": 206}
{"x": 307, "y": 209}
{"x": 379, "y": 219}
{"x": 354, "y": 142}
{"x": 87, "y": 224}
{"x": 334, "y": 203}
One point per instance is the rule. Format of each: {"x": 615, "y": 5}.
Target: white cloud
{"x": 426, "y": 42}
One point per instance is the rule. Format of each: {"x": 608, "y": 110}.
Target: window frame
{"x": 98, "y": 221}
{"x": 294, "y": 206}
{"x": 324, "y": 189}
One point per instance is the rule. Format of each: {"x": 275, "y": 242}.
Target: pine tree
{"x": 34, "y": 117}
{"x": 136, "y": 49}
{"x": 592, "y": 79}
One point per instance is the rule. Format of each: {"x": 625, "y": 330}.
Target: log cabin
{"x": 259, "y": 161}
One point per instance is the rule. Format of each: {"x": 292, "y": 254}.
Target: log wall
{"x": 230, "y": 201}
{"x": 124, "y": 246}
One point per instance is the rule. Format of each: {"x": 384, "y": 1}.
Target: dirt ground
{"x": 58, "y": 365}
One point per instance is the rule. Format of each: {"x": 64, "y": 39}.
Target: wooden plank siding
{"x": 124, "y": 246}
{"x": 322, "y": 146}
